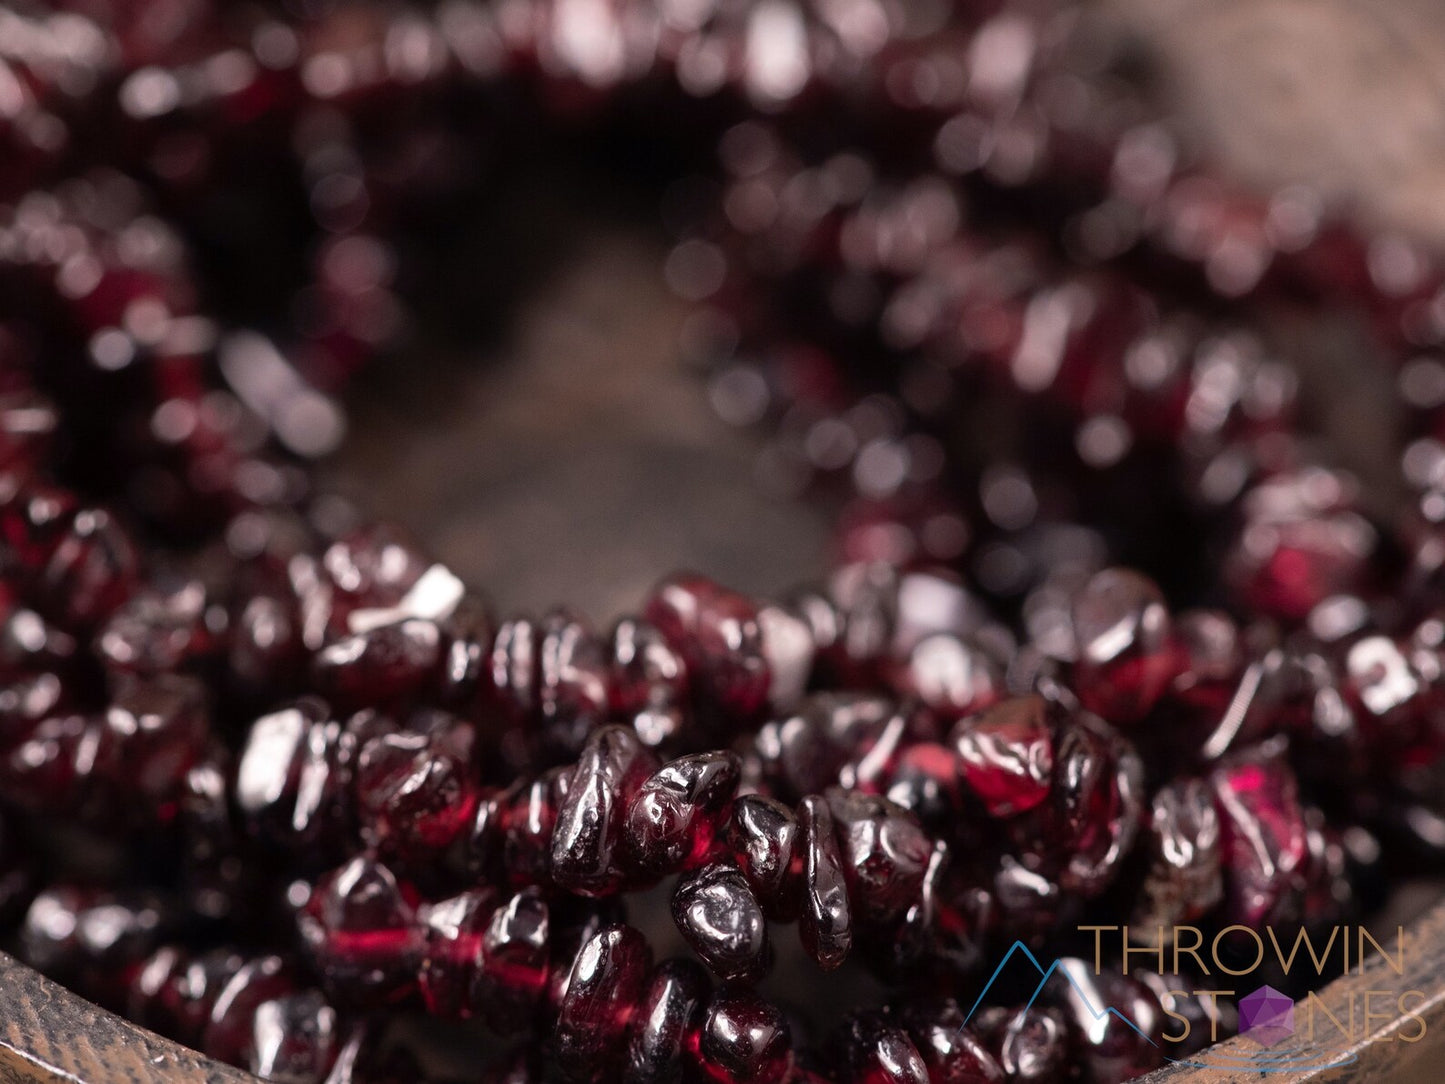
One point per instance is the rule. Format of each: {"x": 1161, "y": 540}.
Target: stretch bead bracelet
{"x": 276, "y": 784}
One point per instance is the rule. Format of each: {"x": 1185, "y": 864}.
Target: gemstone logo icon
{"x": 1266, "y": 1016}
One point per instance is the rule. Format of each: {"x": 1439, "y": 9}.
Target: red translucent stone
{"x": 229, "y": 1031}
{"x": 32, "y": 524}
{"x": 1032, "y": 1045}
{"x": 1262, "y": 835}
{"x": 66, "y": 763}
{"x": 1301, "y": 541}
{"x": 675, "y": 819}
{"x": 1109, "y": 1048}
{"x": 292, "y": 784}
{"x": 807, "y": 751}
{"x": 588, "y": 838}
{"x": 173, "y": 993}
{"x": 372, "y": 567}
{"x": 455, "y": 930}
{"x": 160, "y": 727}
{"x": 951, "y": 1053}
{"x": 666, "y": 1022}
{"x": 529, "y": 820}
{"x": 162, "y": 628}
{"x": 722, "y": 922}
{"x": 360, "y": 927}
{"x": 951, "y": 676}
{"x": 389, "y": 663}
{"x": 1098, "y": 796}
{"x": 825, "y": 920}
{"x": 572, "y": 682}
{"x": 878, "y": 1052}
{"x": 294, "y": 1039}
{"x": 764, "y": 843}
{"x": 884, "y": 853}
{"x": 1006, "y": 755}
{"x": 717, "y": 634}
{"x": 1125, "y": 656}
{"x": 514, "y": 962}
{"x": 1185, "y": 878}
{"x": 92, "y": 569}
{"x": 603, "y": 991}
{"x": 513, "y": 666}
{"x": 744, "y": 1039}
{"x": 647, "y": 680}
{"x": 415, "y": 793}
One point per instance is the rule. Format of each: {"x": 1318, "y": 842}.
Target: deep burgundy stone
{"x": 950, "y": 1051}
{"x": 228, "y": 1035}
{"x": 292, "y": 784}
{"x": 807, "y": 752}
{"x": 529, "y": 818}
{"x": 381, "y": 665}
{"x": 1185, "y": 878}
{"x": 1123, "y": 640}
{"x": 1098, "y": 796}
{"x": 675, "y": 819}
{"x": 92, "y": 569}
{"x": 160, "y": 726}
{"x": 294, "y": 1039}
{"x": 764, "y": 842}
{"x": 1262, "y": 835}
{"x": 572, "y": 682}
{"x": 717, "y": 634}
{"x": 950, "y": 675}
{"x": 825, "y": 920}
{"x": 1006, "y": 755}
{"x": 744, "y": 1039}
{"x": 69, "y": 930}
{"x": 1032, "y": 1045}
{"x": 587, "y": 841}
{"x": 666, "y": 1023}
{"x": 603, "y": 991}
{"x": 513, "y": 666}
{"x": 1110, "y": 1048}
{"x": 415, "y": 791}
{"x": 514, "y": 962}
{"x": 455, "y": 929}
{"x": 370, "y": 568}
{"x": 884, "y": 853}
{"x": 162, "y": 628}
{"x": 67, "y": 763}
{"x": 360, "y": 926}
{"x": 722, "y": 922}
{"x": 878, "y": 1052}
{"x": 647, "y": 680}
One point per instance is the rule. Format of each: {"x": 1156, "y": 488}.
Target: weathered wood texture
{"x": 48, "y": 1035}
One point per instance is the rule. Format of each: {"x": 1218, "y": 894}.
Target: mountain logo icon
{"x": 1074, "y": 971}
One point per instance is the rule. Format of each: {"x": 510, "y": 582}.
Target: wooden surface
{"x": 48, "y": 1035}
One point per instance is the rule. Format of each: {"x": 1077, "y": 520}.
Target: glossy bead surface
{"x": 717, "y": 634}
{"x": 588, "y": 839}
{"x": 722, "y": 922}
{"x": 1122, "y": 636}
{"x": 665, "y": 1025}
{"x": 455, "y": 930}
{"x": 763, "y": 841}
{"x": 744, "y": 1039}
{"x": 1006, "y": 755}
{"x": 825, "y": 918}
{"x": 514, "y": 962}
{"x": 676, "y": 817}
{"x": 360, "y": 927}
{"x": 294, "y": 1039}
{"x": 603, "y": 990}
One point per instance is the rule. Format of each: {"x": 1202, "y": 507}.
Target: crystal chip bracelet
{"x": 323, "y": 788}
